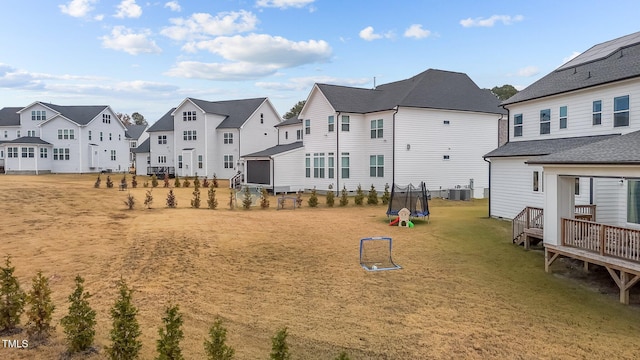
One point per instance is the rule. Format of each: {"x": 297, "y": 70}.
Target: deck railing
{"x": 603, "y": 239}
{"x": 585, "y": 212}
{"x": 530, "y": 217}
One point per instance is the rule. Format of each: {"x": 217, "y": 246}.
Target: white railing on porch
{"x": 603, "y": 239}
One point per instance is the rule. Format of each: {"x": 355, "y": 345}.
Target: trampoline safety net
{"x": 411, "y": 197}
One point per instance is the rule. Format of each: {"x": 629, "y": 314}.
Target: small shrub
{"x": 134, "y": 182}
{"x": 313, "y": 199}
{"x": 386, "y": 195}
{"x": 264, "y": 198}
{"x": 344, "y": 199}
{"x": 40, "y": 309}
{"x": 97, "y": 183}
{"x": 123, "y": 182}
{"x": 109, "y": 181}
{"x": 171, "y": 199}
{"x": 166, "y": 181}
{"x": 125, "y": 330}
{"x": 176, "y": 182}
{"x": 215, "y": 346}
{"x": 148, "y": 199}
{"x": 145, "y": 184}
{"x": 215, "y": 180}
{"x": 79, "y": 324}
{"x": 130, "y": 202}
{"x": 331, "y": 198}
{"x": 195, "y": 202}
{"x": 279, "y": 346}
{"x": 232, "y": 199}
{"x": 211, "y": 198}
{"x": 12, "y": 298}
{"x": 168, "y": 346}
{"x": 343, "y": 356}
{"x": 154, "y": 181}
{"x": 196, "y": 181}
{"x": 372, "y": 198}
{"x": 186, "y": 183}
{"x": 359, "y": 198}
{"x": 246, "y": 200}
{"x": 299, "y": 198}
{"x": 205, "y": 183}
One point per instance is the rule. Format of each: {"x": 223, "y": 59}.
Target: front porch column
{"x": 559, "y": 202}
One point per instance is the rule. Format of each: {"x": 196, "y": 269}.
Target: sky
{"x": 147, "y": 56}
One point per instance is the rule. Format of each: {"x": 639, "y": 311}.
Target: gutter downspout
{"x": 489, "y": 162}
{"x": 273, "y": 175}
{"x": 393, "y": 147}
{"x": 338, "y": 157}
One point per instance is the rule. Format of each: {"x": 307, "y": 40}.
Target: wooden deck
{"x": 528, "y": 226}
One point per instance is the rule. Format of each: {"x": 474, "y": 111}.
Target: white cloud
{"x": 489, "y": 22}
{"x": 128, "y": 9}
{"x": 126, "y": 40}
{"x": 220, "y": 71}
{"x": 203, "y": 25}
{"x": 283, "y": 4}
{"x": 570, "y": 57}
{"x": 98, "y": 17}
{"x": 416, "y": 31}
{"x": 369, "y": 34}
{"x": 305, "y": 83}
{"x": 173, "y": 6}
{"x": 77, "y": 8}
{"x": 528, "y": 71}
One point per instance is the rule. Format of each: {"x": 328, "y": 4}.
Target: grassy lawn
{"x": 464, "y": 291}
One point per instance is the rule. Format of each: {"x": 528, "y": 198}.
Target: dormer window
{"x": 38, "y": 115}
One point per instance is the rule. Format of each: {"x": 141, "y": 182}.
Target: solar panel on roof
{"x": 603, "y": 50}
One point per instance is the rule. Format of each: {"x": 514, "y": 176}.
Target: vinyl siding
{"x": 286, "y": 170}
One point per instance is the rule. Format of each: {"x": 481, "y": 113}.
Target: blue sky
{"x": 147, "y": 56}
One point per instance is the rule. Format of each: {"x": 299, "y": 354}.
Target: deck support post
{"x": 549, "y": 258}
{"x": 624, "y": 283}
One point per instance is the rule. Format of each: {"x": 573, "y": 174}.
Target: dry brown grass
{"x": 464, "y": 290}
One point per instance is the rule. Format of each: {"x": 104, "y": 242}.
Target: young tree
{"x": 196, "y": 181}
{"x": 168, "y": 346}
{"x": 123, "y": 182}
{"x": 386, "y": 196}
{"x": 195, "y": 202}
{"x": 148, "y": 199}
{"x": 215, "y": 347}
{"x": 186, "y": 183}
{"x": 359, "y": 198}
{"x": 313, "y": 199}
{"x": 134, "y": 182}
{"x": 40, "y": 309}
{"x": 279, "y": 346}
{"x": 176, "y": 182}
{"x": 130, "y": 202}
{"x": 166, "y": 181}
{"x": 344, "y": 199}
{"x": 97, "y": 183}
{"x": 171, "y": 199}
{"x": 215, "y": 180}
{"x": 330, "y": 197}
{"x": 232, "y": 199}
{"x": 154, "y": 180}
{"x": 109, "y": 182}
{"x": 126, "y": 330}
{"x": 211, "y": 199}
{"x": 79, "y": 324}
{"x": 298, "y": 198}
{"x": 205, "y": 183}
{"x": 246, "y": 200}
{"x": 12, "y": 298}
{"x": 372, "y": 198}
{"x": 264, "y": 198}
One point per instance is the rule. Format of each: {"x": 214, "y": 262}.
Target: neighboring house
{"x": 433, "y": 127}
{"x": 135, "y": 134}
{"x": 289, "y": 131}
{"x": 142, "y": 156}
{"x": 62, "y": 139}
{"x": 588, "y": 100}
{"x": 209, "y": 137}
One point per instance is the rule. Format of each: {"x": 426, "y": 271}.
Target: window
{"x": 633, "y": 201}
{"x": 286, "y": 135}
{"x": 545, "y": 121}
{"x": 445, "y": 157}
{"x": 110, "y": 136}
{"x": 446, "y": 122}
{"x": 37, "y": 115}
{"x": 199, "y": 161}
{"x": 162, "y": 159}
{"x": 106, "y": 118}
{"x": 66, "y": 134}
{"x": 307, "y": 165}
{"x": 18, "y": 133}
{"x": 331, "y": 165}
{"x": 307, "y": 127}
{"x": 100, "y": 135}
{"x": 133, "y": 144}
{"x": 60, "y": 154}
{"x": 6, "y": 134}
{"x": 597, "y": 112}
{"x": 621, "y": 111}
{"x": 298, "y": 134}
{"x": 261, "y": 118}
{"x": 1, "y": 154}
{"x": 318, "y": 165}
{"x": 228, "y": 161}
{"x": 536, "y": 181}
{"x": 577, "y": 187}
{"x": 189, "y": 135}
{"x": 43, "y": 153}
{"x": 376, "y": 165}
{"x": 31, "y": 133}
{"x": 24, "y": 152}
{"x": 119, "y": 137}
{"x": 345, "y": 165}
{"x": 148, "y": 159}
{"x": 179, "y": 161}
{"x": 89, "y": 135}
{"x": 162, "y": 139}
{"x": 228, "y": 138}
{"x": 517, "y": 125}
{"x": 113, "y": 155}
{"x": 376, "y": 129}
{"x": 563, "y": 117}
{"x": 330, "y": 123}
{"x": 188, "y": 116}
{"x": 12, "y": 152}
{"x": 345, "y": 122}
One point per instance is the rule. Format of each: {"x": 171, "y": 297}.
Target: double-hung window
{"x": 545, "y": 121}
{"x": 376, "y": 165}
{"x": 330, "y": 123}
{"x": 345, "y": 165}
{"x": 596, "y": 115}
{"x": 377, "y": 129}
{"x": 563, "y": 117}
{"x": 517, "y": 125}
{"x": 307, "y": 127}
{"x": 345, "y": 122}
{"x": 621, "y": 111}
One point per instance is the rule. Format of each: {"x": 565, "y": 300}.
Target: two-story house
{"x": 135, "y": 134}
{"x": 62, "y": 139}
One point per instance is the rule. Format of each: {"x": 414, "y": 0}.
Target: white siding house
{"x": 592, "y": 98}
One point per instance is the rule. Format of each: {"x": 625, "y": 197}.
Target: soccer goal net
{"x": 375, "y": 254}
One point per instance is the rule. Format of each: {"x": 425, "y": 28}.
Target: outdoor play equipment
{"x": 375, "y": 254}
{"x": 415, "y": 199}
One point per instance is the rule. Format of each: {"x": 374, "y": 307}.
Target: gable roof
{"x": 291, "y": 121}
{"x": 144, "y": 147}
{"x": 435, "y": 89}
{"x": 545, "y": 146}
{"x": 28, "y": 140}
{"x": 275, "y": 150}
{"x": 611, "y": 61}
{"x": 134, "y": 131}
{"x": 80, "y": 114}
{"x": 165, "y": 123}
{"x": 9, "y": 116}
{"x": 236, "y": 112}
{"x": 618, "y": 150}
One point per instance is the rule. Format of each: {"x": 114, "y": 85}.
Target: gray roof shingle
{"x": 589, "y": 69}
{"x": 134, "y": 131}
{"x": 144, "y": 147}
{"x": 9, "y": 116}
{"x": 436, "y": 89}
{"x": 291, "y": 121}
{"x": 236, "y": 111}
{"x": 624, "y": 149}
{"x": 274, "y": 150}
{"x": 80, "y": 114}
{"x": 165, "y": 123}
{"x": 28, "y": 140}
{"x": 545, "y": 146}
